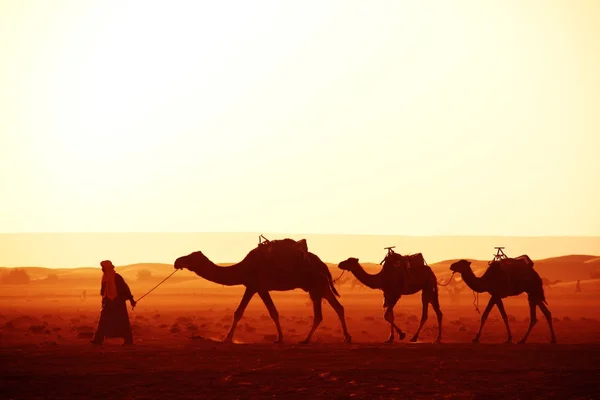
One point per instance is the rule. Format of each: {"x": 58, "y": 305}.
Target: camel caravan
{"x": 287, "y": 264}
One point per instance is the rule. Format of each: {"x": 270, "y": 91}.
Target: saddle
{"x": 416, "y": 260}
{"x": 274, "y": 246}
{"x": 523, "y": 260}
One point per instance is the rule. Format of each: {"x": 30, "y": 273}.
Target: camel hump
{"x": 525, "y": 260}
{"x": 417, "y": 260}
{"x": 522, "y": 260}
{"x": 284, "y": 245}
{"x": 302, "y": 245}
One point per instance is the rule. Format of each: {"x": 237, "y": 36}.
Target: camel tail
{"x": 332, "y": 286}
{"x": 325, "y": 274}
{"x": 540, "y": 285}
{"x": 544, "y": 297}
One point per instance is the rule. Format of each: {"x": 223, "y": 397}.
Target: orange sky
{"x": 393, "y": 117}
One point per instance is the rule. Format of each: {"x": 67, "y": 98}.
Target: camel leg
{"x": 266, "y": 298}
{"x": 532, "y": 320}
{"x": 484, "y": 316}
{"x": 424, "y": 311}
{"x": 435, "y": 303}
{"x": 318, "y": 317}
{"x": 237, "y": 315}
{"x": 389, "y": 317}
{"x": 500, "y": 305}
{"x": 390, "y": 339}
{"x": 548, "y": 316}
{"x": 339, "y": 310}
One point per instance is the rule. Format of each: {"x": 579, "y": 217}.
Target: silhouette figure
{"x": 83, "y": 296}
{"x": 503, "y": 278}
{"x": 279, "y": 265}
{"x": 578, "y": 287}
{"x": 401, "y": 275}
{"x": 114, "y": 319}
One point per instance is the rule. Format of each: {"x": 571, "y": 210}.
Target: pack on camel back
{"x": 502, "y": 260}
{"x": 507, "y": 270}
{"x": 410, "y": 266}
{"x": 405, "y": 262}
{"x": 268, "y": 248}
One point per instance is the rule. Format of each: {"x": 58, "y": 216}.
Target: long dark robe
{"x": 114, "y": 319}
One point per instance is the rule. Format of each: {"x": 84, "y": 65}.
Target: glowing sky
{"x": 387, "y": 117}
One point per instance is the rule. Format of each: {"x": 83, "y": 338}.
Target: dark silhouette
{"x": 507, "y": 277}
{"x": 401, "y": 275}
{"x": 578, "y": 287}
{"x": 279, "y": 265}
{"x": 114, "y": 319}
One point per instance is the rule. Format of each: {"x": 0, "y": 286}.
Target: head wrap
{"x": 108, "y": 279}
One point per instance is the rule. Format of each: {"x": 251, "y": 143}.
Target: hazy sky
{"x": 399, "y": 117}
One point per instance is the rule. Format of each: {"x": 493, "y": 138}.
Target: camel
{"x": 396, "y": 279}
{"x": 504, "y": 278}
{"x": 278, "y": 265}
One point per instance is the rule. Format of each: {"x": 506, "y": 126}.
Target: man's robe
{"x": 114, "y": 319}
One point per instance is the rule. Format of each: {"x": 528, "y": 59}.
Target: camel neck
{"x": 228, "y": 276}
{"x": 473, "y": 282}
{"x": 369, "y": 280}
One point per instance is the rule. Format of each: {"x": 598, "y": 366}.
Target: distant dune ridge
{"x": 69, "y": 250}
{"x": 563, "y": 268}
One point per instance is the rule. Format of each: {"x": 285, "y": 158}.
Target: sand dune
{"x": 45, "y": 329}
{"x": 564, "y": 268}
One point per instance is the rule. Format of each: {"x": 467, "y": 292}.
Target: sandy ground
{"x": 45, "y": 350}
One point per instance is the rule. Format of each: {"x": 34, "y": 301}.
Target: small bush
{"x": 15, "y": 277}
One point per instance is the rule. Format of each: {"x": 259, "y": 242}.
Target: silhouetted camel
{"x": 275, "y": 265}
{"x": 397, "y": 278}
{"x": 509, "y": 277}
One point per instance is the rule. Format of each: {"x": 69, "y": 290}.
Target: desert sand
{"x": 46, "y": 325}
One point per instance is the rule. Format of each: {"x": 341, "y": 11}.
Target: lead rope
{"x": 449, "y": 280}
{"x": 339, "y": 277}
{"x": 160, "y": 283}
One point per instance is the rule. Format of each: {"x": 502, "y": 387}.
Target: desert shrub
{"x": 51, "y": 278}
{"x": 16, "y": 277}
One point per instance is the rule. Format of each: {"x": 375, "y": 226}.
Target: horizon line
{"x": 327, "y": 262}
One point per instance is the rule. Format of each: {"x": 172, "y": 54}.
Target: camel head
{"x": 461, "y": 266}
{"x": 190, "y": 260}
{"x": 350, "y": 264}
